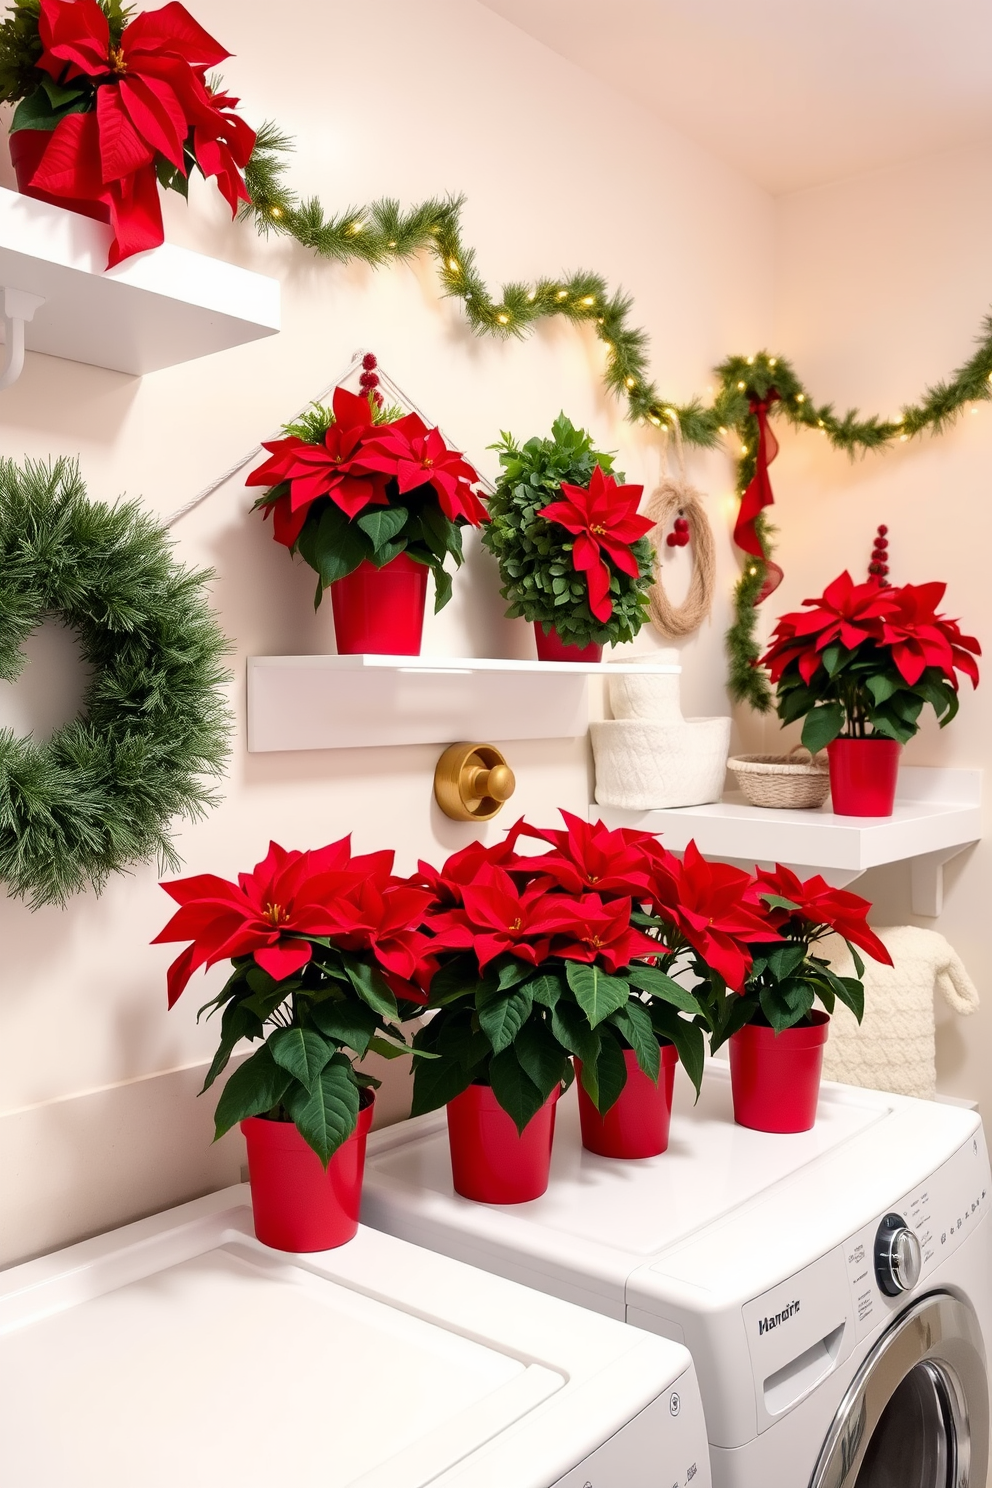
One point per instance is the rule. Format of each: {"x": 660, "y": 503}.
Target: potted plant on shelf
{"x": 760, "y": 977}
{"x": 535, "y": 967}
{"x": 372, "y": 499}
{"x": 858, "y": 665}
{"x": 572, "y": 551}
{"x": 113, "y": 105}
{"x": 325, "y": 949}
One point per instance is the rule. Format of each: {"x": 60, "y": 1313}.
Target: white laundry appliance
{"x": 179, "y": 1351}
{"x": 834, "y": 1287}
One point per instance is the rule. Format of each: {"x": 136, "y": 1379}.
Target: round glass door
{"x": 917, "y": 1413}
{"x": 915, "y": 1444}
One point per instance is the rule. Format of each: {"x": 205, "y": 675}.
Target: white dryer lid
{"x": 179, "y": 1350}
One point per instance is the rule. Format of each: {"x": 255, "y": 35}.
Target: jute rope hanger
{"x": 673, "y": 497}
{"x": 387, "y": 384}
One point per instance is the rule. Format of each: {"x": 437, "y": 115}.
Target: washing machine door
{"x": 917, "y": 1413}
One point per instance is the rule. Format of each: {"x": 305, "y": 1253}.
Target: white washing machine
{"x": 178, "y": 1352}
{"x": 834, "y": 1287}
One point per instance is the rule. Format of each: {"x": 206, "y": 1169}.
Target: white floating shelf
{"x": 937, "y": 814}
{"x": 348, "y": 702}
{"x": 155, "y": 310}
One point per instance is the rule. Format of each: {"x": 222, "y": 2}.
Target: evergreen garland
{"x": 100, "y": 796}
{"x": 381, "y": 233}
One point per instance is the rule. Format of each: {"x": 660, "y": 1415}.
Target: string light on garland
{"x": 435, "y": 225}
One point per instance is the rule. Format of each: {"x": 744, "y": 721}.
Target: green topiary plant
{"x": 572, "y": 553}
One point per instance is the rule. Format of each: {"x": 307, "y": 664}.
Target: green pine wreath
{"x": 100, "y": 796}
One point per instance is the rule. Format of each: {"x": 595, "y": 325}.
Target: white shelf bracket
{"x": 927, "y": 880}
{"x": 18, "y": 308}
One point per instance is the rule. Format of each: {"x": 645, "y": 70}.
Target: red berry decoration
{"x": 672, "y": 540}
{"x": 883, "y": 530}
{"x": 369, "y": 362}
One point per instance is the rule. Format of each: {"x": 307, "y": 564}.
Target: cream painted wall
{"x": 882, "y": 282}
{"x": 409, "y": 100}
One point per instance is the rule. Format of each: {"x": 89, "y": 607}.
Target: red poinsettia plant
{"x": 864, "y": 659}
{"x": 539, "y": 959}
{"x": 127, "y": 106}
{"x": 327, "y": 954}
{"x": 572, "y": 550}
{"x": 358, "y": 482}
{"x": 749, "y": 941}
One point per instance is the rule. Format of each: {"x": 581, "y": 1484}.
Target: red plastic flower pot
{"x": 775, "y": 1078}
{"x": 551, "y": 647}
{"x": 491, "y": 1161}
{"x": 637, "y": 1124}
{"x": 296, "y": 1203}
{"x": 26, "y": 149}
{"x": 380, "y": 609}
{"x": 863, "y": 775}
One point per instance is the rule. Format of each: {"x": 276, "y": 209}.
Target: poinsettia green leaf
{"x": 371, "y": 986}
{"x": 597, "y": 994}
{"x": 541, "y": 1056}
{"x": 347, "y": 1022}
{"x": 302, "y": 1052}
{"x": 687, "y": 1037}
{"x": 603, "y": 1079}
{"x": 382, "y": 524}
{"x": 327, "y": 1115}
{"x": 438, "y": 1081}
{"x": 332, "y": 545}
{"x": 545, "y": 989}
{"x": 514, "y": 1089}
{"x": 502, "y": 1013}
{"x": 881, "y": 686}
{"x": 783, "y": 960}
{"x": 571, "y": 1029}
{"x": 255, "y": 1087}
{"x": 634, "y": 1022}
{"x": 822, "y": 726}
{"x": 651, "y": 979}
{"x": 236, "y": 1024}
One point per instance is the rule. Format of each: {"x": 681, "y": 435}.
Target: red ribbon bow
{"x": 759, "y": 495}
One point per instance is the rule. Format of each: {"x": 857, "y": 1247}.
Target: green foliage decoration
{"x": 310, "y": 1027}
{"x": 381, "y": 233}
{"x": 517, "y": 1026}
{"x": 100, "y": 796}
{"x": 535, "y": 555}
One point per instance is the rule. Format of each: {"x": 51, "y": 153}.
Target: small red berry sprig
{"x": 680, "y": 537}
{"x": 878, "y": 568}
{"x": 369, "y": 380}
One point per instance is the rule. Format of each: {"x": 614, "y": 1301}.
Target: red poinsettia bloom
{"x": 262, "y": 915}
{"x": 291, "y": 895}
{"x": 921, "y": 638}
{"x": 376, "y": 912}
{"x": 414, "y": 455}
{"x": 327, "y": 469}
{"x": 708, "y": 904}
{"x": 846, "y": 613}
{"x": 601, "y": 931}
{"x": 496, "y": 917}
{"x": 589, "y": 856}
{"x": 818, "y": 904}
{"x": 150, "y": 92}
{"x": 464, "y": 867}
{"x": 604, "y": 520}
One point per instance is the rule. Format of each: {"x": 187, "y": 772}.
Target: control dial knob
{"x": 898, "y": 1258}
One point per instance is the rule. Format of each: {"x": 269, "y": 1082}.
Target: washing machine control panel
{"x": 898, "y": 1256}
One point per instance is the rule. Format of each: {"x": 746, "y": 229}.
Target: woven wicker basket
{"x": 794, "y": 780}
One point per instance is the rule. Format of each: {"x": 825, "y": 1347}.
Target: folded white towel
{"x": 893, "y": 1049}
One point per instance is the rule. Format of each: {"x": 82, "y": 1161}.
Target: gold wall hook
{"x": 472, "y": 781}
